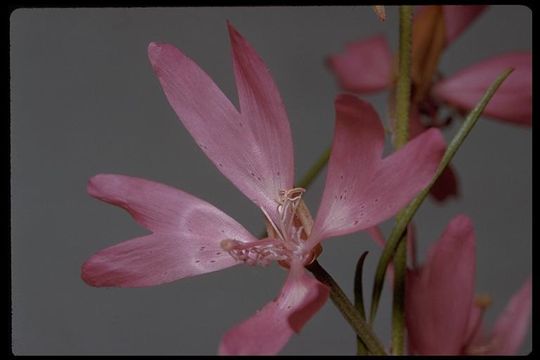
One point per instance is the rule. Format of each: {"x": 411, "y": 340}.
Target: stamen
{"x": 277, "y": 230}
{"x": 285, "y": 233}
{"x": 482, "y": 301}
{"x": 260, "y": 252}
{"x": 289, "y": 201}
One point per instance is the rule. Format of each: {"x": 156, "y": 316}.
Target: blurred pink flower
{"x": 375, "y": 54}
{"x": 442, "y": 316}
{"x": 366, "y": 66}
{"x": 253, "y": 149}
{"x": 513, "y": 100}
{"x": 457, "y": 18}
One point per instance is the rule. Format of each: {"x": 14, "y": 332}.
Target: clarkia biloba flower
{"x": 253, "y": 148}
{"x": 443, "y": 316}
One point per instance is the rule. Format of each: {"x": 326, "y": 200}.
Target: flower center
{"x": 286, "y": 235}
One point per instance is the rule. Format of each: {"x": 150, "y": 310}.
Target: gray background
{"x": 84, "y": 101}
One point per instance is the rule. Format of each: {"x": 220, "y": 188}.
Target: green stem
{"x": 410, "y": 210}
{"x": 347, "y": 309}
{"x": 401, "y": 136}
{"x": 314, "y": 170}
{"x": 398, "y": 302}
{"x": 403, "y": 88}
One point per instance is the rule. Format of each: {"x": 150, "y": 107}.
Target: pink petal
{"x": 267, "y": 332}
{"x": 439, "y": 295}
{"x": 362, "y": 189}
{"x": 474, "y": 326}
{"x": 457, "y": 18}
{"x": 153, "y": 260}
{"x": 253, "y": 149}
{"x": 377, "y": 235}
{"x": 411, "y": 243}
{"x": 416, "y": 127}
{"x": 446, "y": 186}
{"x": 365, "y": 66}
{"x": 186, "y": 239}
{"x": 511, "y": 326}
{"x": 513, "y": 100}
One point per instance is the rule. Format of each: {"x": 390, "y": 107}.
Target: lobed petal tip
{"x": 159, "y": 52}
{"x": 233, "y": 33}
{"x": 98, "y": 183}
{"x": 349, "y": 66}
{"x": 86, "y": 273}
{"x": 153, "y": 46}
{"x": 461, "y": 226}
{"x": 93, "y": 184}
{"x": 154, "y": 51}
{"x": 462, "y": 220}
{"x": 437, "y": 141}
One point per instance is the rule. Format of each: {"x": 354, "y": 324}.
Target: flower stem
{"x": 398, "y": 300}
{"x": 347, "y": 309}
{"x": 401, "y": 136}
{"x": 403, "y": 89}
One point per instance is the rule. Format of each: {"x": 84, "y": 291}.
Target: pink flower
{"x": 442, "y": 316}
{"x": 253, "y": 149}
{"x": 513, "y": 100}
{"x": 367, "y": 66}
{"x": 457, "y": 18}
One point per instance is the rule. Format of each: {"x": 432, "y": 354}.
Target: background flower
{"x": 368, "y": 65}
{"x": 442, "y": 314}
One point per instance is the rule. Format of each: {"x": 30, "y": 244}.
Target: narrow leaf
{"x": 359, "y": 300}
{"x": 358, "y": 293}
{"x": 347, "y": 309}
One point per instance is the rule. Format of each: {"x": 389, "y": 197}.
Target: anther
{"x": 483, "y": 301}
{"x": 228, "y": 244}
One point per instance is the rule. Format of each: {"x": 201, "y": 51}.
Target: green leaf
{"x": 358, "y": 293}
{"x": 359, "y": 300}
{"x": 347, "y": 309}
